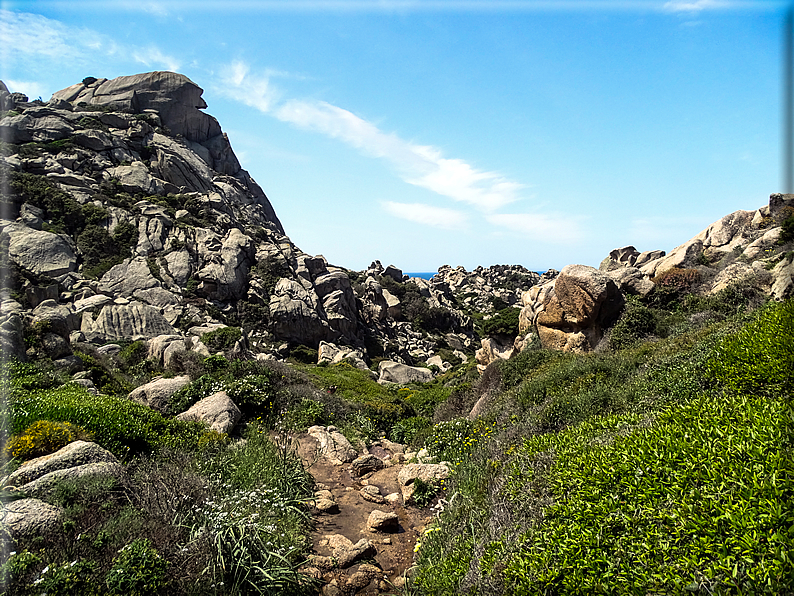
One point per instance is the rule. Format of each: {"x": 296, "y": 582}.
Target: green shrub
{"x": 305, "y": 414}
{"x": 139, "y": 570}
{"x": 133, "y": 354}
{"x": 64, "y": 213}
{"x": 424, "y": 492}
{"x": 680, "y": 280}
{"x": 118, "y": 424}
{"x": 504, "y": 322}
{"x": 67, "y": 579}
{"x": 304, "y": 354}
{"x": 215, "y": 363}
{"x": 787, "y": 231}
{"x": 523, "y": 364}
{"x": 405, "y": 430}
{"x": 221, "y": 339}
{"x": 636, "y": 323}
{"x": 44, "y": 437}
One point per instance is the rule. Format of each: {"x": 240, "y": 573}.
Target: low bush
{"x": 304, "y": 354}
{"x": 139, "y": 570}
{"x": 503, "y": 323}
{"x": 221, "y": 339}
{"x": 118, "y": 424}
{"x": 44, "y": 437}
{"x": 685, "y": 491}
{"x": 636, "y": 323}
{"x": 404, "y": 431}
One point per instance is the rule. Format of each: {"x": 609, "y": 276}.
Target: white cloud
{"x": 694, "y": 5}
{"x": 152, "y": 56}
{"x": 32, "y": 89}
{"x": 420, "y": 165}
{"x": 437, "y": 217}
{"x": 252, "y": 90}
{"x": 554, "y": 229}
{"x": 37, "y": 38}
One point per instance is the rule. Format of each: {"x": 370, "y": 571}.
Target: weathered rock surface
{"x": 366, "y": 464}
{"x": 346, "y": 553}
{"x": 30, "y": 517}
{"x": 333, "y": 444}
{"x": 493, "y": 349}
{"x": 130, "y": 321}
{"x": 217, "y": 411}
{"x": 425, "y": 472}
{"x": 383, "y": 521}
{"x": 157, "y": 393}
{"x": 76, "y": 453}
{"x": 402, "y": 374}
{"x": 39, "y": 252}
{"x": 572, "y": 312}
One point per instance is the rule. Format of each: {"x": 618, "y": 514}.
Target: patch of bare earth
{"x": 348, "y": 556}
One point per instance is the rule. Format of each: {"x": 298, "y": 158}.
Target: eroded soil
{"x": 394, "y": 550}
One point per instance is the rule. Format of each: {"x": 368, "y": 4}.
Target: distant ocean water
{"x": 429, "y": 274}
{"x": 422, "y": 274}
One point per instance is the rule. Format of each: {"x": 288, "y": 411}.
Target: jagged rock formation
{"x": 126, "y": 215}
{"x": 572, "y": 311}
{"x": 740, "y": 245}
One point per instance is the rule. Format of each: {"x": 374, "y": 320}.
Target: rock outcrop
{"x": 217, "y": 411}
{"x": 572, "y": 312}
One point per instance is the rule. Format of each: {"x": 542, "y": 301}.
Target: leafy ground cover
{"x": 686, "y": 487}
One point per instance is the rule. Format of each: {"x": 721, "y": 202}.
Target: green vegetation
{"x": 221, "y": 339}
{"x": 196, "y": 515}
{"x": 667, "y": 470}
{"x": 787, "y": 231}
{"x": 658, "y": 464}
{"x": 504, "y": 322}
{"x": 42, "y": 438}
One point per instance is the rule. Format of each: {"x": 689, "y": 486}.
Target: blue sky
{"x": 469, "y": 133}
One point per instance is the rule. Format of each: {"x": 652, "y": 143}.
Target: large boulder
{"x": 402, "y": 374}
{"x": 333, "y": 444}
{"x": 131, "y": 321}
{"x": 40, "y": 252}
{"x": 294, "y": 314}
{"x": 157, "y": 393}
{"x": 493, "y": 349}
{"x": 217, "y": 411}
{"x": 127, "y": 277}
{"x": 28, "y": 518}
{"x": 572, "y": 313}
{"x": 175, "y": 97}
{"x": 77, "y": 460}
{"x": 76, "y": 453}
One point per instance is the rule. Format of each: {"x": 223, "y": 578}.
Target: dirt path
{"x": 394, "y": 551}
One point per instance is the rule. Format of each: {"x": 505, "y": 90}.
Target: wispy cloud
{"x": 689, "y": 6}
{"x": 553, "y": 229}
{"x": 152, "y": 56}
{"x": 437, "y": 217}
{"x": 32, "y": 89}
{"x": 421, "y": 165}
{"x": 37, "y": 38}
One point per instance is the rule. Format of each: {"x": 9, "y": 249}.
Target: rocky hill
{"x": 623, "y": 435}
{"x": 127, "y": 216}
